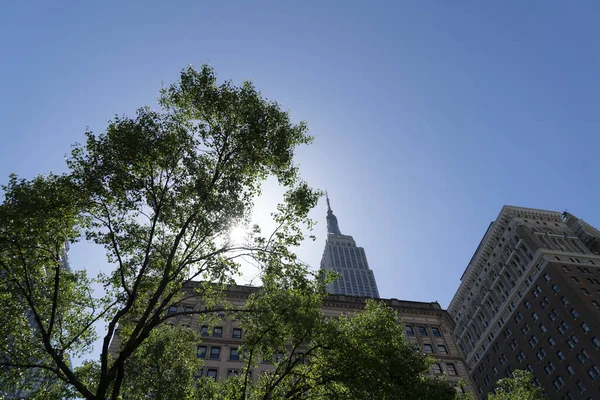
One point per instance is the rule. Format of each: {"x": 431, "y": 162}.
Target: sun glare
{"x": 237, "y": 234}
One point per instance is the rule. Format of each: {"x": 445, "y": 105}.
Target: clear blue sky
{"x": 428, "y": 116}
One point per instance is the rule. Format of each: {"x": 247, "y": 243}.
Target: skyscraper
{"x": 341, "y": 255}
{"x": 530, "y": 299}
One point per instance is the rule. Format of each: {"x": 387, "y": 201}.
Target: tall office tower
{"x": 530, "y": 299}
{"x": 341, "y": 255}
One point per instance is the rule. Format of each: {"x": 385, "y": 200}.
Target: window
{"x": 451, "y": 369}
{"x": 172, "y": 310}
{"x": 593, "y": 374}
{"x": 547, "y": 277}
{"x": 535, "y": 316}
{"x": 570, "y": 343}
{"x": 540, "y": 355}
{"x": 560, "y": 355}
{"x": 574, "y": 339}
{"x": 582, "y": 358}
{"x": 428, "y": 348}
{"x": 565, "y": 268}
{"x": 527, "y": 304}
{"x": 422, "y": 331}
{"x": 564, "y": 300}
{"x": 215, "y": 353}
{"x": 442, "y": 349}
{"x": 201, "y": 352}
{"x": 495, "y": 370}
{"x": 533, "y": 341}
{"x": 437, "y": 369}
{"x": 564, "y": 325}
{"x": 502, "y": 359}
{"x": 585, "y": 327}
{"x": 234, "y": 355}
{"x": 237, "y": 333}
{"x": 233, "y": 372}
{"x": 188, "y": 310}
{"x": 551, "y": 341}
{"x": 580, "y": 386}
{"x": 574, "y": 279}
{"x": 595, "y": 303}
{"x": 409, "y": 331}
{"x": 436, "y": 332}
{"x": 558, "y": 383}
{"x": 212, "y": 373}
{"x": 555, "y": 288}
{"x": 217, "y": 331}
{"x": 584, "y": 290}
{"x": 596, "y": 342}
{"x": 574, "y": 313}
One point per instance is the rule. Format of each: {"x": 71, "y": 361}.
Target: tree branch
{"x": 57, "y": 269}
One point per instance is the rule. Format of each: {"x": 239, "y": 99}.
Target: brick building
{"x": 530, "y": 299}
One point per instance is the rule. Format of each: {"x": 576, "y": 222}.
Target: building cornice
{"x": 489, "y": 242}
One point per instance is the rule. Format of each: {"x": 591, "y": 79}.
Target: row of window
{"x": 591, "y": 281}
{"x": 214, "y": 372}
{"x": 215, "y": 353}
{"x": 583, "y": 270}
{"x": 423, "y": 331}
{"x": 218, "y": 332}
{"x": 428, "y": 348}
{"x": 234, "y": 354}
{"x": 450, "y": 369}
{"x": 559, "y": 383}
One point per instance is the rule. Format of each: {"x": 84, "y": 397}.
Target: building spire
{"x": 332, "y": 223}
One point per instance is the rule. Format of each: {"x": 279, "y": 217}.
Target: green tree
{"x": 519, "y": 387}
{"x": 160, "y": 193}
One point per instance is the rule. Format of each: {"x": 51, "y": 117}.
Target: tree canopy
{"x": 519, "y": 387}
{"x": 160, "y": 192}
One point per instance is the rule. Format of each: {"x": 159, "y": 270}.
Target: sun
{"x": 237, "y": 234}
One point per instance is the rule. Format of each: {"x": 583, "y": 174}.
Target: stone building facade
{"x": 428, "y": 327}
{"x": 530, "y": 299}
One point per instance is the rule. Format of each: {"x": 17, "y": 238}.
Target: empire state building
{"x": 342, "y": 256}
